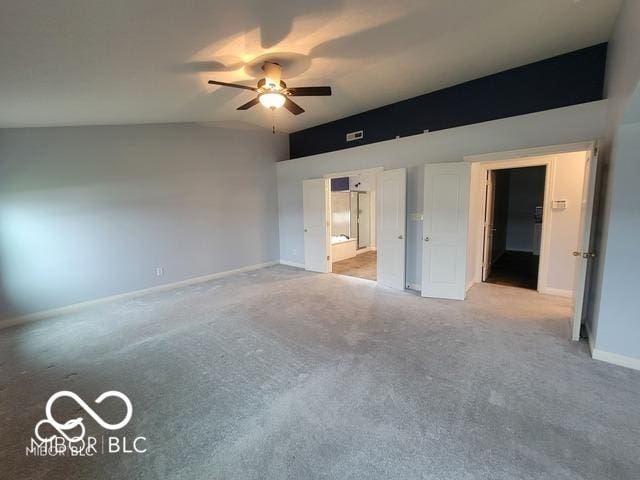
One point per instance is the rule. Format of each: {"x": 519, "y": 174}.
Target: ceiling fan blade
{"x": 234, "y": 85}
{"x": 292, "y": 106}
{"x": 248, "y": 105}
{"x": 309, "y": 91}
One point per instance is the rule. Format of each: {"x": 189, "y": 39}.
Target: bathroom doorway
{"x": 353, "y": 251}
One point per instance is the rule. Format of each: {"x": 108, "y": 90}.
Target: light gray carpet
{"x": 282, "y": 373}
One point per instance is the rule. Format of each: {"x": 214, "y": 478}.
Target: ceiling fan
{"x": 273, "y": 93}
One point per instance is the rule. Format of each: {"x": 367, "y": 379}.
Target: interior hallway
{"x": 515, "y": 269}
{"x": 363, "y": 265}
{"x": 282, "y": 373}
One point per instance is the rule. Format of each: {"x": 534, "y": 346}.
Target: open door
{"x": 489, "y": 229}
{"x": 584, "y": 248}
{"x": 446, "y": 215}
{"x": 391, "y": 243}
{"x": 315, "y": 211}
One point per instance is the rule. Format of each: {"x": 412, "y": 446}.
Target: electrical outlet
{"x": 159, "y": 271}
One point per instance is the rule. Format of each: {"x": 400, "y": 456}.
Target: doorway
{"x": 387, "y": 221}
{"x": 513, "y": 226}
{"x": 353, "y": 251}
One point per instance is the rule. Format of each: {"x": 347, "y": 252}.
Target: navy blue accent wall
{"x": 569, "y": 79}
{"x": 339, "y": 184}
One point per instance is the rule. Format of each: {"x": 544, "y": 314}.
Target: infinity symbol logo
{"x": 62, "y": 428}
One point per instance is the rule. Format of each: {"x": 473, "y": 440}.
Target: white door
{"x": 584, "y": 248}
{"x": 446, "y": 214}
{"x": 487, "y": 255}
{"x": 391, "y": 242}
{"x": 314, "y": 200}
{"x": 364, "y": 225}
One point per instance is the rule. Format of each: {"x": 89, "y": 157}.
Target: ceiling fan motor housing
{"x": 272, "y": 73}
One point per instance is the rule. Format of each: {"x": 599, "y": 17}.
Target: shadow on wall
{"x": 7, "y": 309}
{"x": 90, "y": 212}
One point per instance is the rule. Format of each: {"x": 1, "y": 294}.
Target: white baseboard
{"x": 291, "y": 264}
{"x": 414, "y": 286}
{"x": 558, "y": 292}
{"x": 67, "y": 309}
{"x": 622, "y": 360}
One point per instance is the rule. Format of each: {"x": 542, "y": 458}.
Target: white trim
{"x": 622, "y": 360}
{"x": 291, "y": 264}
{"x": 352, "y": 173}
{"x": 614, "y": 358}
{"x": 558, "y": 292}
{"x": 488, "y": 162}
{"x": 531, "y": 152}
{"x": 54, "y": 312}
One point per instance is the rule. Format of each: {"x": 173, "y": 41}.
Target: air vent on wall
{"x": 351, "y": 136}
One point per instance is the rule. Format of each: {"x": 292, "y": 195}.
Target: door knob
{"x": 426, "y": 239}
{"x": 577, "y": 254}
{"x": 400, "y": 237}
{"x": 305, "y": 230}
{"x": 589, "y": 255}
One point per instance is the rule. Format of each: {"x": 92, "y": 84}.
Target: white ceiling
{"x": 93, "y": 62}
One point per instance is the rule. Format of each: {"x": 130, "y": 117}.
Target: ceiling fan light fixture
{"x": 272, "y": 100}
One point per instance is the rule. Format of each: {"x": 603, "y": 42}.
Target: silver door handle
{"x": 426, "y": 239}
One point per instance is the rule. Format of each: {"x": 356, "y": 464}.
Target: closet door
{"x": 391, "y": 242}
{"x": 446, "y": 213}
{"x": 315, "y": 211}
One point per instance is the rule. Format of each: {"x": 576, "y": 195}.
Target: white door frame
{"x": 523, "y": 158}
{"x": 542, "y": 161}
{"x": 349, "y": 173}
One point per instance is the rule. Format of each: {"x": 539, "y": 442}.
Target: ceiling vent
{"x": 351, "y": 136}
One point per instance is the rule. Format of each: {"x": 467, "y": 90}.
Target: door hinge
{"x": 328, "y": 258}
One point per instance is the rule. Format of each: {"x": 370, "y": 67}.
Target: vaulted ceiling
{"x": 96, "y": 62}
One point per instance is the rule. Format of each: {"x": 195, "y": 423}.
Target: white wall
{"x": 90, "y": 212}
{"x": 564, "y": 235}
{"x": 559, "y": 126}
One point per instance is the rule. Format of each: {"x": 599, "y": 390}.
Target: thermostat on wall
{"x": 559, "y": 204}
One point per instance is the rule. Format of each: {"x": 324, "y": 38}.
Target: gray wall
{"x": 619, "y": 321}
{"x": 563, "y": 125}
{"x": 613, "y": 310}
{"x": 526, "y": 192}
{"x": 88, "y": 212}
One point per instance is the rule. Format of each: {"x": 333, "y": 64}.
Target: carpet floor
{"x": 281, "y": 373}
